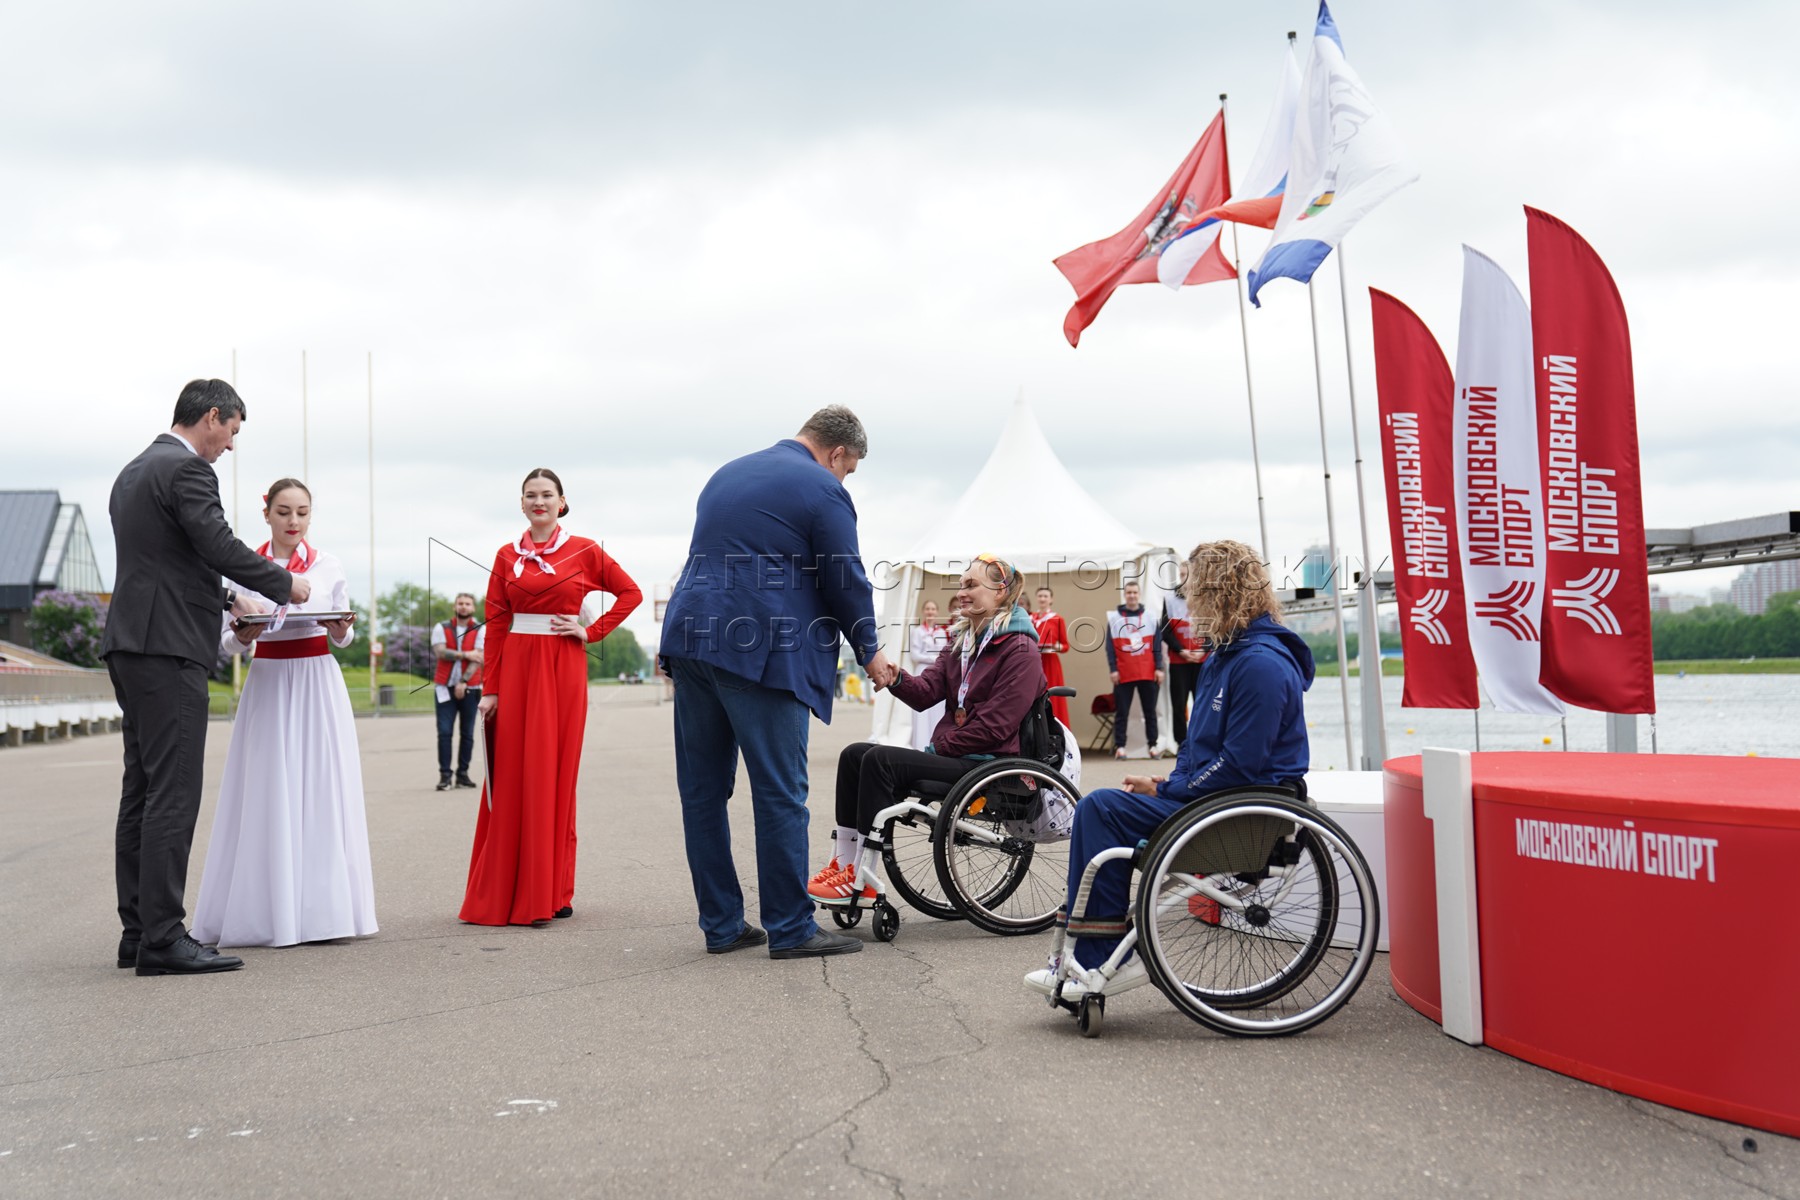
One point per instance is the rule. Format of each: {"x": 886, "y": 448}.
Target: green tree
{"x": 617, "y": 653}
{"x": 410, "y": 604}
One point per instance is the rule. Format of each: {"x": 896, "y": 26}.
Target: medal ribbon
{"x": 969, "y": 654}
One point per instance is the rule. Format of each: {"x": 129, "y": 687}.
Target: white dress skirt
{"x": 288, "y": 861}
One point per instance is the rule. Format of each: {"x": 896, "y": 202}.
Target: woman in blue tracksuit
{"x": 1248, "y": 727}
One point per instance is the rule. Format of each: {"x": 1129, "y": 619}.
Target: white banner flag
{"x": 1499, "y": 505}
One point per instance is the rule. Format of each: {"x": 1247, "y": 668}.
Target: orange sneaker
{"x": 840, "y": 888}
{"x": 825, "y": 872}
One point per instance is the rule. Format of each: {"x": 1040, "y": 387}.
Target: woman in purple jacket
{"x": 987, "y": 679}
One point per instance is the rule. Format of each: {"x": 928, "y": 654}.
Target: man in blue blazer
{"x": 773, "y": 579}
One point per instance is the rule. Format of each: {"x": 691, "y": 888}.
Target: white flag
{"x": 1344, "y": 160}
{"x": 1266, "y": 177}
{"x": 1499, "y": 505}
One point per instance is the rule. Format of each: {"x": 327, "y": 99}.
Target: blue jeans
{"x": 718, "y": 714}
{"x": 1107, "y": 818}
{"x": 448, "y": 712}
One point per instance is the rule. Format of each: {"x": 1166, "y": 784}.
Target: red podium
{"x": 1638, "y": 921}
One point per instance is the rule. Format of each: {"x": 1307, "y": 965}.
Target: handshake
{"x": 882, "y": 673}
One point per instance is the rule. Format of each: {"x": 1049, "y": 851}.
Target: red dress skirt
{"x": 523, "y": 865}
{"x": 1052, "y": 631}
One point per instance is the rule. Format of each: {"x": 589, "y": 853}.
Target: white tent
{"x": 1025, "y": 507}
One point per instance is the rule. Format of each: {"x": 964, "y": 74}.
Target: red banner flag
{"x": 1597, "y": 616}
{"x": 1096, "y": 270}
{"x": 1415, "y": 390}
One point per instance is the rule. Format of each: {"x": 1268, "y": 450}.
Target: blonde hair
{"x": 1227, "y": 587}
{"x": 1012, "y": 589}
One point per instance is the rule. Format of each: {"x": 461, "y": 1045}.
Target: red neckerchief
{"x": 302, "y": 558}
{"x": 529, "y": 550}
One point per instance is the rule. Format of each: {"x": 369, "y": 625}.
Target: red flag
{"x": 1596, "y": 650}
{"x": 1415, "y": 393}
{"x": 1202, "y": 181}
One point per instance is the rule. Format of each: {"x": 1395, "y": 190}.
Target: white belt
{"x": 538, "y": 623}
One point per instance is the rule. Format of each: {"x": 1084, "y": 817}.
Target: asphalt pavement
{"x": 609, "y": 1055}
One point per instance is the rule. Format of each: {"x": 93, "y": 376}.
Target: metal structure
{"x": 1740, "y": 543}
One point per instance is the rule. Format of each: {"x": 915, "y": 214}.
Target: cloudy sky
{"x": 631, "y": 241}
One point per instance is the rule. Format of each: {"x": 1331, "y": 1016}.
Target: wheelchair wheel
{"x": 907, "y": 859}
{"x": 989, "y": 863}
{"x": 1294, "y": 937}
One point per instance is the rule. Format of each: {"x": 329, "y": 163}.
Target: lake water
{"x": 1696, "y": 714}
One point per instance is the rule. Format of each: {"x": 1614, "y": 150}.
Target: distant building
{"x": 1751, "y": 590}
{"x": 1316, "y": 570}
{"x": 43, "y": 545}
{"x": 1680, "y": 602}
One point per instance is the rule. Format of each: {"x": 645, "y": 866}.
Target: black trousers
{"x": 1145, "y": 690}
{"x": 450, "y": 714}
{"x": 1182, "y": 678}
{"x": 872, "y": 777}
{"x": 164, "y": 703}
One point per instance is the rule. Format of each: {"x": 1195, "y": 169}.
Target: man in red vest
{"x": 458, "y": 644}
{"x": 1134, "y": 659}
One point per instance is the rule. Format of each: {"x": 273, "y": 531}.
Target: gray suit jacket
{"x": 173, "y": 543}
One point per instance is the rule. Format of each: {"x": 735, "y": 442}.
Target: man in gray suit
{"x": 162, "y": 636}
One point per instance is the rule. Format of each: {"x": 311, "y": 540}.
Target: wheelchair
{"x": 991, "y": 848}
{"x": 1255, "y": 915}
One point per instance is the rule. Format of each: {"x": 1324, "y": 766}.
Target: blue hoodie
{"x": 1249, "y": 720}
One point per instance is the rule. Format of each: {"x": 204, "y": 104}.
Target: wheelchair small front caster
{"x": 1090, "y": 1014}
{"x": 846, "y": 918}
{"x": 887, "y": 922}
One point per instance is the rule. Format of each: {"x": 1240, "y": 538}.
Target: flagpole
{"x": 1262, "y": 516}
{"x": 1374, "y": 730}
{"x": 374, "y": 706}
{"x": 305, "y": 464}
{"x": 1337, "y": 592}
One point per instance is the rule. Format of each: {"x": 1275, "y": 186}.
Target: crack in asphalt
{"x": 326, "y": 1033}
{"x": 929, "y": 989}
{"x": 1726, "y": 1146}
{"x": 847, "y": 1116}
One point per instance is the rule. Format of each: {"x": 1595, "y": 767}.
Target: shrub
{"x": 68, "y": 626}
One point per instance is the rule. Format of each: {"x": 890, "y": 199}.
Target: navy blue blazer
{"x": 774, "y": 577}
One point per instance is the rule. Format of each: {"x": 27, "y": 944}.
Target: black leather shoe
{"x": 463, "y": 780}
{"x": 444, "y": 782}
{"x": 751, "y": 936}
{"x": 128, "y": 948}
{"x": 819, "y": 945}
{"x": 567, "y": 910}
{"x": 184, "y": 956}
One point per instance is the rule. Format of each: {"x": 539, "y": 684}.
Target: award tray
{"x": 312, "y": 617}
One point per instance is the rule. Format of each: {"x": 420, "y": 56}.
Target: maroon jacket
{"x": 1005, "y": 681}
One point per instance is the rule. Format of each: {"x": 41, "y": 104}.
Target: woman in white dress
{"x": 927, "y": 642}
{"x": 288, "y": 861}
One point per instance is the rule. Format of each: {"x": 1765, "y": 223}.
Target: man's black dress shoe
{"x": 751, "y": 936}
{"x": 184, "y": 956}
{"x": 567, "y": 910}
{"x": 128, "y": 948}
{"x": 444, "y": 782}
{"x": 463, "y": 780}
{"x": 819, "y": 945}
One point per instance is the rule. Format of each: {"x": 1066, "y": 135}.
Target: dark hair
{"x": 834, "y": 426}
{"x": 547, "y": 473}
{"x": 1044, "y": 587}
{"x": 280, "y": 486}
{"x": 460, "y": 595}
{"x": 201, "y": 397}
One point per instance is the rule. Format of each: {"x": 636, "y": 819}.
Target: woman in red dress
{"x": 522, "y": 871}
{"x": 1053, "y": 643}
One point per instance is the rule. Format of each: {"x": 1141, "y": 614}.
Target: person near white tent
{"x": 1185, "y": 653}
{"x": 990, "y": 673}
{"x": 1134, "y": 660}
{"x": 926, "y": 643}
{"x": 1059, "y": 534}
{"x": 1053, "y": 643}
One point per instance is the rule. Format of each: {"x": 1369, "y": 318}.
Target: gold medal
{"x": 961, "y": 716}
